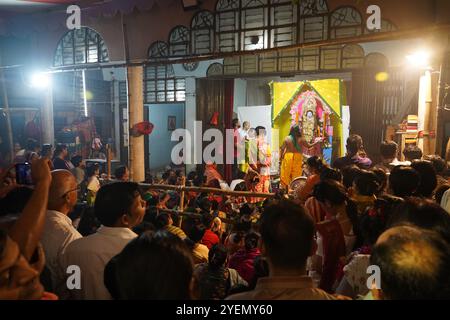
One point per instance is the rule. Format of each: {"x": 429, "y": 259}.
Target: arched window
{"x": 376, "y": 60}
{"x": 352, "y": 56}
{"x": 283, "y": 14}
{"x": 254, "y": 24}
{"x": 313, "y": 20}
{"x": 80, "y": 46}
{"x": 179, "y": 41}
{"x": 202, "y": 28}
{"x": 227, "y": 25}
{"x": 330, "y": 57}
{"x": 215, "y": 69}
{"x": 345, "y": 22}
{"x": 158, "y": 49}
{"x": 161, "y": 85}
{"x": 313, "y": 7}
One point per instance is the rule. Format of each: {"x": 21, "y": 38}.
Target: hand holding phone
{"x": 23, "y": 174}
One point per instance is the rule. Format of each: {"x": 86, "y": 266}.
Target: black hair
{"x": 349, "y": 174}
{"x": 60, "y": 148}
{"x": 366, "y": 183}
{"x": 354, "y": 144}
{"x": 199, "y": 180}
{"x": 162, "y": 220}
{"x": 214, "y": 205}
{"x": 207, "y": 219}
{"x": 144, "y": 226}
{"x": 165, "y": 175}
{"x": 46, "y": 150}
{"x": 428, "y": 178}
{"x": 154, "y": 266}
{"x": 90, "y": 171}
{"x": 205, "y": 204}
{"x": 114, "y": 200}
{"x": 191, "y": 175}
{"x": 316, "y": 163}
{"x": 330, "y": 173}
{"x": 172, "y": 181}
{"x": 287, "y": 234}
{"x": 414, "y": 265}
{"x": 412, "y": 152}
{"x": 439, "y": 164}
{"x": 76, "y": 160}
{"x": 150, "y": 214}
{"x": 422, "y": 213}
{"x": 88, "y": 222}
{"x": 330, "y": 190}
{"x": 372, "y": 224}
{"x": 335, "y": 193}
{"x": 120, "y": 171}
{"x": 246, "y": 209}
{"x": 32, "y": 144}
{"x": 238, "y": 236}
{"x": 251, "y": 240}
{"x": 403, "y": 181}
{"x": 388, "y": 149}
{"x": 244, "y": 224}
{"x": 260, "y": 130}
{"x": 217, "y": 256}
{"x": 381, "y": 179}
{"x": 240, "y": 187}
{"x": 197, "y": 232}
{"x": 295, "y": 131}
{"x": 234, "y": 122}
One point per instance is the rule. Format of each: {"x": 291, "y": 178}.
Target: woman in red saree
{"x": 260, "y": 162}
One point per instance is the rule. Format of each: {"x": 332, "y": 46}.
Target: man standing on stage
{"x": 243, "y": 132}
{"x": 292, "y": 155}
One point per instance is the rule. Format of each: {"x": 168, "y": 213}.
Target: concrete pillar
{"x": 116, "y": 111}
{"x": 425, "y": 101}
{"x": 48, "y": 131}
{"x": 190, "y": 117}
{"x": 136, "y": 115}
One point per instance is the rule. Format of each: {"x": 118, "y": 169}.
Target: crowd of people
{"x": 316, "y": 243}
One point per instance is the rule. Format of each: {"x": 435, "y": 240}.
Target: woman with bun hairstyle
{"x": 315, "y": 166}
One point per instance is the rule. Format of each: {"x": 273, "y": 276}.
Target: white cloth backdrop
{"x": 262, "y": 116}
{"x": 257, "y": 116}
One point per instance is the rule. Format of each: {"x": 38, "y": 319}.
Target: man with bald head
{"x": 58, "y": 228}
{"x": 414, "y": 265}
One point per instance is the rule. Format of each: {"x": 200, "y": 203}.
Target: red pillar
{"x": 228, "y": 117}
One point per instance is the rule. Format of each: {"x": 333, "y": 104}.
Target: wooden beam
{"x": 206, "y": 190}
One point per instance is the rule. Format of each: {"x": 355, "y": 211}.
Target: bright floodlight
{"x": 40, "y": 80}
{"x": 420, "y": 59}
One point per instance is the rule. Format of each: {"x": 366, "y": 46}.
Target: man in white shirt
{"x": 389, "y": 152}
{"x": 119, "y": 207}
{"x": 243, "y": 132}
{"x": 58, "y": 229}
